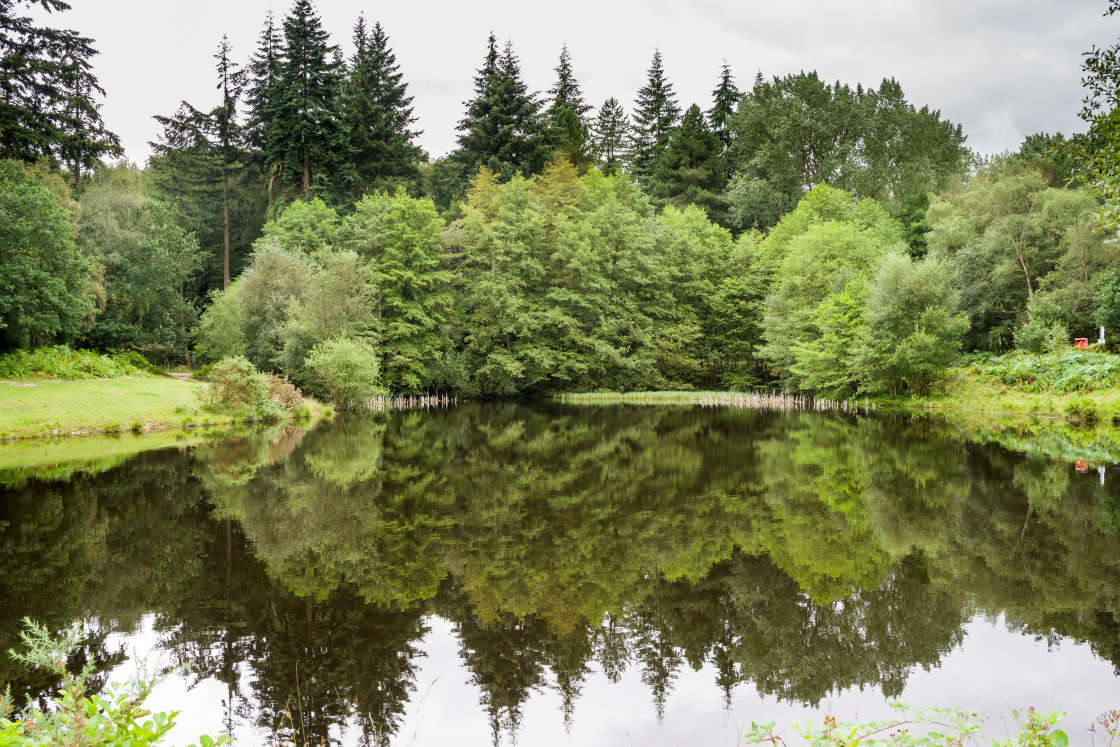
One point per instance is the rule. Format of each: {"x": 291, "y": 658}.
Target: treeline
{"x": 828, "y": 238}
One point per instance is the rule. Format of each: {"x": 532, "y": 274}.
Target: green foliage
{"x": 912, "y": 327}
{"x": 307, "y": 148}
{"x": 691, "y": 170}
{"x": 377, "y": 113}
{"x": 236, "y": 385}
{"x": 220, "y": 332}
{"x": 610, "y": 135}
{"x": 411, "y": 285}
{"x": 78, "y": 718}
{"x": 142, "y": 259}
{"x": 502, "y": 130}
{"x": 345, "y": 371}
{"x": 1071, "y": 370}
{"x": 50, "y": 107}
{"x": 820, "y": 257}
{"x": 1037, "y": 336}
{"x": 306, "y": 227}
{"x": 44, "y": 279}
{"x": 1014, "y": 243}
{"x": 794, "y": 133}
{"x": 1081, "y": 409}
{"x": 656, "y": 113}
{"x": 61, "y": 362}
{"x": 339, "y": 301}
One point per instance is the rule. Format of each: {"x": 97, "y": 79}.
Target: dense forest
{"x": 824, "y": 237}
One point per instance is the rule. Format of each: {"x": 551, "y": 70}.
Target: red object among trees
{"x": 1081, "y": 343}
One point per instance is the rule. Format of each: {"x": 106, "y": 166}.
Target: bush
{"x": 235, "y": 384}
{"x": 1036, "y": 336}
{"x": 1081, "y": 410}
{"x": 283, "y": 393}
{"x": 345, "y": 371}
{"x": 61, "y": 362}
{"x": 77, "y": 718}
{"x": 135, "y": 359}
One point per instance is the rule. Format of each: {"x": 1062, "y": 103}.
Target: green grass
{"x": 38, "y": 408}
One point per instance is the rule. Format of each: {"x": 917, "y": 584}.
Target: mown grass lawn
{"x": 63, "y": 408}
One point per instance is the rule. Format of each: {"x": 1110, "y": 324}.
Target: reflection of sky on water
{"x": 994, "y": 671}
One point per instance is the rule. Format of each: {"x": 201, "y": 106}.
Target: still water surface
{"x": 575, "y": 576}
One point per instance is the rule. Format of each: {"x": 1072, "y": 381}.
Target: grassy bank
{"x": 39, "y": 408}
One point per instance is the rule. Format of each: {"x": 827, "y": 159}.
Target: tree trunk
{"x": 307, "y": 177}
{"x": 225, "y": 222}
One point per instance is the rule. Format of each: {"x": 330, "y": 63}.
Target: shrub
{"x": 283, "y": 393}
{"x": 235, "y": 384}
{"x": 202, "y": 373}
{"x": 1067, "y": 372}
{"x": 345, "y": 371}
{"x": 1036, "y": 336}
{"x": 135, "y": 359}
{"x": 77, "y": 718}
{"x": 61, "y": 362}
{"x": 1081, "y": 410}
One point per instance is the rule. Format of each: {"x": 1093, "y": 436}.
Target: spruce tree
{"x": 264, "y": 77}
{"x": 725, "y": 97}
{"x": 691, "y": 171}
{"x": 655, "y": 114}
{"x": 566, "y": 94}
{"x": 610, "y": 133}
{"x": 306, "y": 138}
{"x": 503, "y": 129}
{"x": 377, "y": 114}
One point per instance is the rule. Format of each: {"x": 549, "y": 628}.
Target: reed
{"x": 783, "y": 401}
{"x": 387, "y": 403}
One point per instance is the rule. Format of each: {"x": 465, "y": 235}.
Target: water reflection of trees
{"x": 801, "y": 554}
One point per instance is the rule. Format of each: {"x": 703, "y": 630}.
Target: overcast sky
{"x": 1002, "y": 69}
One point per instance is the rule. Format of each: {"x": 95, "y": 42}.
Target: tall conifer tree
{"x": 725, "y": 98}
{"x": 566, "y": 93}
{"x": 378, "y": 114}
{"x": 201, "y": 161}
{"x": 264, "y": 77}
{"x": 691, "y": 171}
{"x": 48, "y": 94}
{"x": 503, "y": 129}
{"x": 305, "y": 134}
{"x": 655, "y": 114}
{"x": 610, "y": 133}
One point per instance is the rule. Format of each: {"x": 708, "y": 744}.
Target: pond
{"x": 548, "y": 574}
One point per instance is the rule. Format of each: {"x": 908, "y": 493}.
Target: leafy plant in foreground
{"x": 116, "y": 719}
{"x": 928, "y": 727}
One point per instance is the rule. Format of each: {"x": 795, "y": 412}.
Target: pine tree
{"x": 725, "y": 97}
{"x": 691, "y": 171}
{"x": 305, "y": 135}
{"x": 610, "y": 133}
{"x": 655, "y": 114}
{"x": 378, "y": 113}
{"x": 503, "y": 129}
{"x": 48, "y": 94}
{"x": 566, "y": 94}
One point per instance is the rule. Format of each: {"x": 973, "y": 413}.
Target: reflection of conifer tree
{"x": 569, "y": 654}
{"x": 611, "y": 648}
{"x": 654, "y": 650}
{"x": 506, "y": 658}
